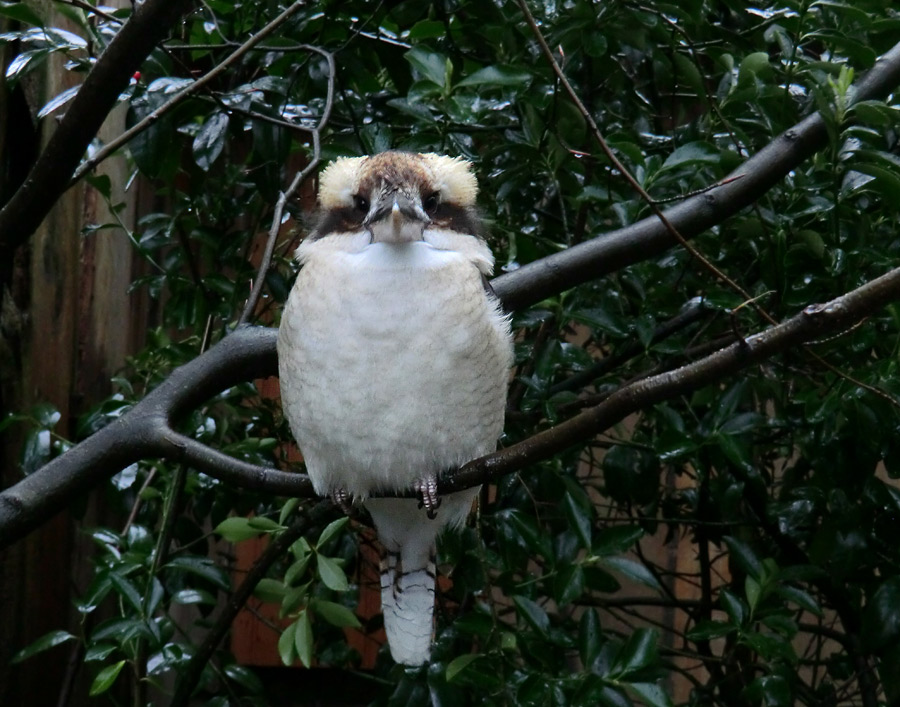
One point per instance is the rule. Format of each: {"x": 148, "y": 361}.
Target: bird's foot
{"x": 342, "y": 500}
{"x": 428, "y": 493}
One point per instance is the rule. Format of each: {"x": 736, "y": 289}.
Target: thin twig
{"x": 90, "y": 9}
{"x": 188, "y": 677}
{"x": 256, "y": 291}
{"x": 187, "y": 91}
{"x": 598, "y": 136}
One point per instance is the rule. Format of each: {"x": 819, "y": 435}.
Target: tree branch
{"x": 49, "y": 178}
{"x": 145, "y": 431}
{"x": 187, "y": 679}
{"x": 615, "y": 250}
{"x": 187, "y": 91}
{"x": 813, "y": 322}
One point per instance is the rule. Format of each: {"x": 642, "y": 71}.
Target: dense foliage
{"x": 737, "y": 545}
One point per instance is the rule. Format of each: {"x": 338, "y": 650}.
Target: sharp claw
{"x": 430, "y": 501}
{"x": 342, "y": 500}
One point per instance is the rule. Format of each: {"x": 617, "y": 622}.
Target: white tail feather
{"x": 407, "y": 601}
{"x": 407, "y": 571}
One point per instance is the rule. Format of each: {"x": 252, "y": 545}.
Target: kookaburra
{"x": 394, "y": 357}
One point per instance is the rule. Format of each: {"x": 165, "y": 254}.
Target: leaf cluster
{"x": 773, "y": 496}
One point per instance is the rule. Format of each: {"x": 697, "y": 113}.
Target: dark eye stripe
{"x": 457, "y": 218}
{"x": 348, "y": 219}
{"x": 344, "y": 220}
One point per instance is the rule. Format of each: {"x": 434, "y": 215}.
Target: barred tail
{"x": 407, "y": 570}
{"x": 407, "y": 601}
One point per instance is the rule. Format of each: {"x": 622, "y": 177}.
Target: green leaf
{"x": 21, "y": 12}
{"x": 98, "y": 651}
{"x": 105, "y": 678}
{"x": 532, "y": 614}
{"x": 800, "y": 597}
{"x": 296, "y": 570}
{"x": 498, "y": 75}
{"x": 745, "y": 557}
{"x": 693, "y": 153}
{"x": 431, "y": 65}
{"x": 202, "y": 567}
{"x": 881, "y": 618}
{"x": 752, "y": 64}
{"x": 267, "y": 525}
{"x": 708, "y": 629}
{"x": 459, "y": 664}
{"x": 58, "y": 101}
{"x": 303, "y": 639}
{"x": 331, "y": 530}
{"x": 244, "y": 677}
{"x": 335, "y": 614}
{"x": 286, "y": 650}
{"x": 771, "y": 691}
{"x": 733, "y": 606}
{"x": 331, "y": 574}
{"x": 752, "y": 591}
{"x": 45, "y": 642}
{"x": 638, "y": 652}
{"x": 590, "y": 637}
{"x": 289, "y": 507}
{"x": 293, "y": 599}
{"x": 568, "y": 584}
{"x": 617, "y": 539}
{"x": 580, "y": 519}
{"x": 236, "y": 529}
{"x": 269, "y": 590}
{"x": 127, "y": 591}
{"x": 427, "y": 29}
{"x": 651, "y": 693}
{"x": 771, "y": 648}
{"x": 633, "y": 570}
{"x": 210, "y": 141}
{"x": 886, "y": 181}
{"x": 193, "y": 596}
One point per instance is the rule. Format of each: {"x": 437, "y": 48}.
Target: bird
{"x": 394, "y": 361}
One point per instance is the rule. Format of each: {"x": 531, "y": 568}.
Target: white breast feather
{"x": 393, "y": 361}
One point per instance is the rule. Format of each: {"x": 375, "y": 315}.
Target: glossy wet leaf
{"x": 105, "y": 678}
{"x": 331, "y": 574}
{"x": 210, "y": 141}
{"x": 335, "y": 614}
{"x": 498, "y": 75}
{"x": 45, "y": 642}
{"x": 236, "y": 529}
{"x": 303, "y": 639}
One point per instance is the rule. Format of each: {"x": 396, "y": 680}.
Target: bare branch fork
{"x": 147, "y": 430}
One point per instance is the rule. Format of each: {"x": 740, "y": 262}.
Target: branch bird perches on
{"x": 249, "y": 352}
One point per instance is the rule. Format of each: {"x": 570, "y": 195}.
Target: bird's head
{"x": 395, "y": 196}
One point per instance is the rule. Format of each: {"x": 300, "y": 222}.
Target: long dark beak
{"x": 397, "y": 218}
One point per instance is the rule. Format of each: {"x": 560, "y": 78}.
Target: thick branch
{"x": 145, "y": 431}
{"x": 148, "y": 26}
{"x": 613, "y": 251}
{"x": 812, "y": 323}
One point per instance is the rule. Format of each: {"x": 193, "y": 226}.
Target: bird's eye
{"x": 361, "y": 203}
{"x": 431, "y": 203}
